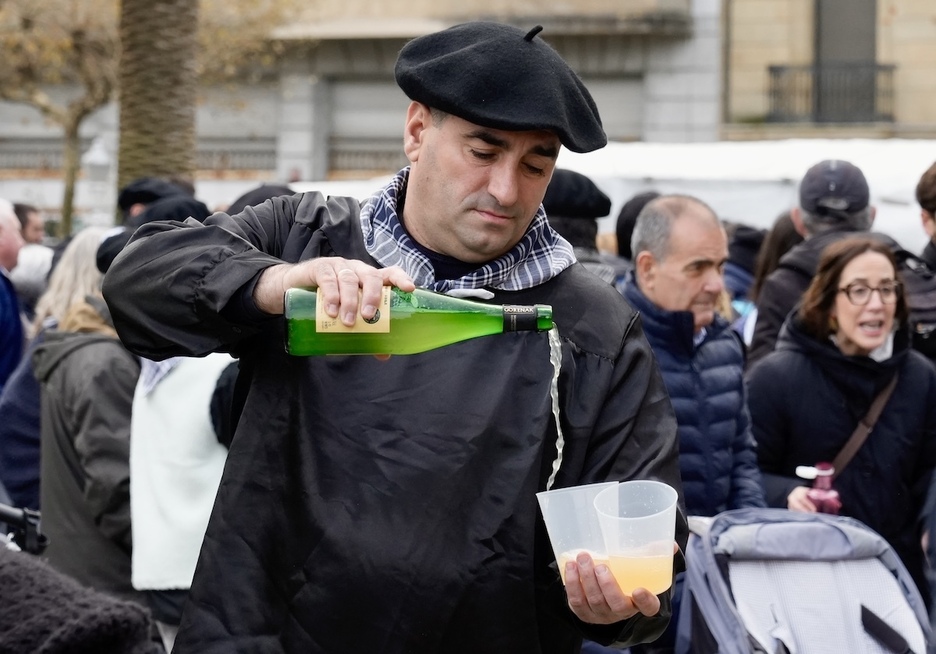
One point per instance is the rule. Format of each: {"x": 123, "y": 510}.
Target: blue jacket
{"x": 19, "y": 433}
{"x": 11, "y": 329}
{"x": 717, "y": 456}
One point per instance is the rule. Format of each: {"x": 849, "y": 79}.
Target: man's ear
{"x": 873, "y": 214}
{"x": 645, "y": 270}
{"x": 929, "y": 223}
{"x": 796, "y": 215}
{"x": 418, "y": 119}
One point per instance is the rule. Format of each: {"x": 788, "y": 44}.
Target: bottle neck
{"x": 527, "y": 318}
{"x": 823, "y": 482}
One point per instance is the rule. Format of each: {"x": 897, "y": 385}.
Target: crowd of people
{"x": 183, "y": 462}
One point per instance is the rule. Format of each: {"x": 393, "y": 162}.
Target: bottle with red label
{"x": 821, "y": 494}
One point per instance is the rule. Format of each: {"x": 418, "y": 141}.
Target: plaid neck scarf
{"x": 539, "y": 256}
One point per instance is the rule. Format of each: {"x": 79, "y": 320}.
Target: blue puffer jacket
{"x": 717, "y": 456}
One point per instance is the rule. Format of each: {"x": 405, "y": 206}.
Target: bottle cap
{"x": 811, "y": 472}
{"x": 806, "y": 472}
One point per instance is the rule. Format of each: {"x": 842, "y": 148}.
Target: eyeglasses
{"x": 860, "y": 294}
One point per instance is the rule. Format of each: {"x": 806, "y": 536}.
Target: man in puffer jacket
{"x": 680, "y": 250}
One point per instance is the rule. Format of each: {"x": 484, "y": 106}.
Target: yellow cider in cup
{"x": 653, "y": 572}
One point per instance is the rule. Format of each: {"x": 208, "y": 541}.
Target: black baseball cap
{"x": 834, "y": 188}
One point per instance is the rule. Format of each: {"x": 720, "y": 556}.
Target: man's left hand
{"x": 595, "y": 598}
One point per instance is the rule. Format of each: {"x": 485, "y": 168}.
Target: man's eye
{"x": 536, "y": 170}
{"x": 483, "y": 156}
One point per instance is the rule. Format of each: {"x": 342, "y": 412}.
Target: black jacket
{"x": 806, "y": 399}
{"x": 389, "y": 506}
{"x": 929, "y": 254}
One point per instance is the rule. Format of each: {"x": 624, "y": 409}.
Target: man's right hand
{"x": 340, "y": 281}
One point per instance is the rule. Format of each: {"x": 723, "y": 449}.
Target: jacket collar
{"x": 671, "y": 330}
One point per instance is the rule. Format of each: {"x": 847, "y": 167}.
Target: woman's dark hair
{"x": 780, "y": 238}
{"x": 819, "y": 298}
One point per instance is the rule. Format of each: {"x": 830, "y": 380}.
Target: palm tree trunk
{"x": 70, "y": 165}
{"x": 157, "y": 88}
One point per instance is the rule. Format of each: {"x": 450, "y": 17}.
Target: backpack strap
{"x": 864, "y": 427}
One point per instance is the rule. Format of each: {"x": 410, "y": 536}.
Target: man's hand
{"x": 594, "y": 595}
{"x": 339, "y": 279}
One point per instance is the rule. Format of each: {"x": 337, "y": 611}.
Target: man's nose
{"x": 504, "y": 184}
{"x": 714, "y": 281}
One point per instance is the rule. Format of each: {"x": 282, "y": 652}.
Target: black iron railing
{"x": 832, "y": 93}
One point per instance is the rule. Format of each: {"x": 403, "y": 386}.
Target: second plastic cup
{"x": 572, "y": 523}
{"x": 638, "y": 524}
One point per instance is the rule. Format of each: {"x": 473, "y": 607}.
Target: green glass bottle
{"x": 406, "y": 323}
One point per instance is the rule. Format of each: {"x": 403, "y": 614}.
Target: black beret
{"x": 258, "y": 195}
{"x": 146, "y": 190}
{"x": 744, "y": 245}
{"x": 174, "y": 207}
{"x": 627, "y": 219}
{"x": 573, "y": 195}
{"x": 110, "y": 247}
{"x": 501, "y": 77}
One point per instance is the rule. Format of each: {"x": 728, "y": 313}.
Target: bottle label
{"x": 518, "y": 317}
{"x": 379, "y": 324}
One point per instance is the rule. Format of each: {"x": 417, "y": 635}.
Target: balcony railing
{"x": 832, "y": 93}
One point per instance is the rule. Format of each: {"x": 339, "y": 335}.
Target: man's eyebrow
{"x": 491, "y": 139}
{"x": 706, "y": 261}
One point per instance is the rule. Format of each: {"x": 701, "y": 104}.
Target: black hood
{"x": 859, "y": 376}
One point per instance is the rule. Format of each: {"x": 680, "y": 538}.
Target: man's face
{"x": 690, "y": 276}
{"x": 473, "y": 191}
{"x": 34, "y": 231}
{"x": 10, "y": 240}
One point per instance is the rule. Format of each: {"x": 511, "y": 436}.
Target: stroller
{"x": 772, "y": 581}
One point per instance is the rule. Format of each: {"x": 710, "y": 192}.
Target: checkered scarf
{"x": 539, "y": 256}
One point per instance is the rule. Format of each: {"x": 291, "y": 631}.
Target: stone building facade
{"x": 860, "y": 68}
{"x": 334, "y": 111}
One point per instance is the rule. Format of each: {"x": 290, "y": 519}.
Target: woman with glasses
{"x": 843, "y": 345}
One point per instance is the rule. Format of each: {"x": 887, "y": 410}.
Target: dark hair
{"x": 626, "y": 220}
{"x": 780, "y": 238}
{"x": 581, "y": 233}
{"x": 819, "y": 298}
{"x": 22, "y": 212}
{"x": 926, "y": 190}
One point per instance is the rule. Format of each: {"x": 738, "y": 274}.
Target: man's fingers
{"x": 396, "y": 276}
{"x": 348, "y": 285}
{"x": 646, "y": 602}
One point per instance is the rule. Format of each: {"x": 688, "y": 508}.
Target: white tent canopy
{"x": 752, "y": 182}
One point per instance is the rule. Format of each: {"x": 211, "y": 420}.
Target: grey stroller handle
{"x": 24, "y": 527}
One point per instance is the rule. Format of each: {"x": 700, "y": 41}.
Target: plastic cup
{"x": 572, "y": 522}
{"x": 638, "y": 524}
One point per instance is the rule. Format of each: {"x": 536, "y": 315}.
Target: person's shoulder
{"x": 315, "y": 207}
{"x": 920, "y": 367}
{"x": 776, "y": 365}
{"x": 587, "y": 311}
